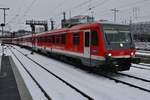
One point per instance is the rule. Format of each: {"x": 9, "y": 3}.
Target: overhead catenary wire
{"x": 18, "y": 17}
{"x": 94, "y": 5}
{"x": 126, "y": 8}
{"x": 73, "y": 8}
{"x": 76, "y": 7}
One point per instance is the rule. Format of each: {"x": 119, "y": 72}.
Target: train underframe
{"x": 111, "y": 64}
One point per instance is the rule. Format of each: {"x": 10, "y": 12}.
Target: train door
{"x": 87, "y": 44}
{"x": 36, "y": 43}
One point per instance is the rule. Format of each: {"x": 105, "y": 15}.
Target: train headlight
{"x": 132, "y": 54}
{"x": 109, "y": 54}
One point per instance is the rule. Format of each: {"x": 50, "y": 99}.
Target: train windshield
{"x": 117, "y": 33}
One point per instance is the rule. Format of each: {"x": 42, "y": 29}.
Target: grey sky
{"x": 20, "y": 10}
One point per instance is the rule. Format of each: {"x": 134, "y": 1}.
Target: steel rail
{"x": 50, "y": 72}
{"x": 40, "y": 87}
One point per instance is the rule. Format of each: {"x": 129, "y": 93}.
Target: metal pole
{"x": 4, "y": 13}
{"x": 3, "y": 25}
{"x": 2, "y": 41}
{"x": 115, "y": 13}
{"x": 114, "y": 16}
{"x": 2, "y": 57}
{"x": 52, "y": 24}
{"x": 64, "y": 15}
{"x": 32, "y": 39}
{"x": 1, "y": 74}
{"x": 4, "y": 16}
{"x": 92, "y": 16}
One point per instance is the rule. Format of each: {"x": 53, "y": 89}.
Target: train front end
{"x": 119, "y": 47}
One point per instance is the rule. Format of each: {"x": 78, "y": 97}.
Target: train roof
{"x": 61, "y": 30}
{"x": 94, "y": 24}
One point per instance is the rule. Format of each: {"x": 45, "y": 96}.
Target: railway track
{"x": 144, "y": 64}
{"x": 124, "y": 82}
{"x": 145, "y": 68}
{"x": 59, "y": 78}
{"x": 138, "y": 78}
{"x": 40, "y": 87}
{"x": 109, "y": 77}
{"x": 144, "y": 58}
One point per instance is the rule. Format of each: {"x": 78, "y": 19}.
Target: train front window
{"x": 117, "y": 33}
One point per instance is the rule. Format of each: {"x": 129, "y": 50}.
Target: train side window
{"x": 87, "y": 39}
{"x": 42, "y": 39}
{"x": 76, "y": 38}
{"x": 48, "y": 39}
{"x": 45, "y": 39}
{"x": 94, "y": 40}
{"x": 30, "y": 39}
{"x": 39, "y": 39}
{"x": 58, "y": 39}
{"x": 53, "y": 39}
{"x": 63, "y": 38}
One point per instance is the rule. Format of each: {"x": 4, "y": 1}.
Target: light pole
{"x": 4, "y": 9}
{"x": 3, "y": 25}
{"x": 115, "y": 13}
{"x": 2, "y": 74}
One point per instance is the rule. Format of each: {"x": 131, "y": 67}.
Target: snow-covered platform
{"x": 12, "y": 86}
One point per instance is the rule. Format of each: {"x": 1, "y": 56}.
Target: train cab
{"x": 110, "y": 46}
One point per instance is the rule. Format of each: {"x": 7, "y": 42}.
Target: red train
{"x": 96, "y": 44}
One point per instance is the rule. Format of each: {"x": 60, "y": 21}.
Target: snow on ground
{"x": 146, "y": 65}
{"x": 143, "y": 65}
{"x": 142, "y": 73}
{"x": 33, "y": 88}
{"x": 55, "y": 88}
{"x": 142, "y": 45}
{"x": 98, "y": 87}
{"x": 143, "y": 53}
{"x": 143, "y": 48}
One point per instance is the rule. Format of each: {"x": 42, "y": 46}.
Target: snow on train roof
{"x": 53, "y": 31}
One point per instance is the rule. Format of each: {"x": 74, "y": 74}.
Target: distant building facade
{"x": 21, "y": 33}
{"x": 141, "y": 31}
{"x": 39, "y": 29}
